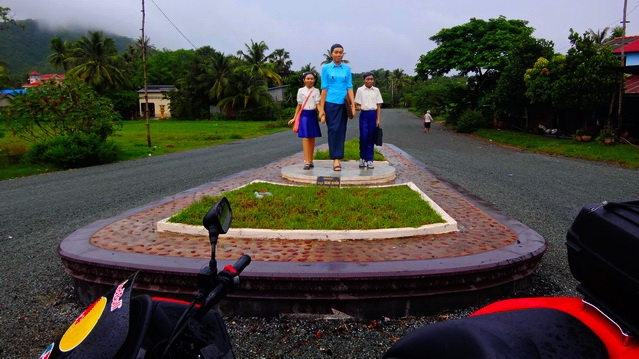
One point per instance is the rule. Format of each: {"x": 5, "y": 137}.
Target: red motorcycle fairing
{"x": 100, "y": 331}
{"x": 618, "y": 345}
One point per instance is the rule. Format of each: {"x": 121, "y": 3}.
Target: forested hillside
{"x": 26, "y": 50}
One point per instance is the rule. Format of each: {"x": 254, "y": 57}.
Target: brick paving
{"x": 481, "y": 229}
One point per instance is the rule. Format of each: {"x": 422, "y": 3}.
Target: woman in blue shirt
{"x": 337, "y": 86}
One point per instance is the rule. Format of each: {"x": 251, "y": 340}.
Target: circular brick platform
{"x": 366, "y": 278}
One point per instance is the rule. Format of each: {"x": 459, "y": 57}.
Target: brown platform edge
{"x": 371, "y": 289}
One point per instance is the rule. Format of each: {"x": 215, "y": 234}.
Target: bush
{"x": 78, "y": 150}
{"x": 470, "y": 121}
{"x": 59, "y": 109}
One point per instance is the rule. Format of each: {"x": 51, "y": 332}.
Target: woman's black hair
{"x": 336, "y": 46}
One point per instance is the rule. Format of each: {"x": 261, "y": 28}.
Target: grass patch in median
{"x": 351, "y": 152}
{"x": 315, "y": 207}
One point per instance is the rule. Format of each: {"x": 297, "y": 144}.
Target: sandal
{"x": 337, "y": 168}
{"x": 311, "y": 165}
{"x": 306, "y": 167}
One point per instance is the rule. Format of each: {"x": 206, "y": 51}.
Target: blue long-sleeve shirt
{"x": 337, "y": 79}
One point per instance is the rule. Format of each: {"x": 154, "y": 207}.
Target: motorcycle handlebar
{"x": 240, "y": 265}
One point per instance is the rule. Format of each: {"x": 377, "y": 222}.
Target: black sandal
{"x": 306, "y": 166}
{"x": 337, "y": 168}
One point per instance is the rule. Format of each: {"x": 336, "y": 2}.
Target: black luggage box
{"x": 603, "y": 255}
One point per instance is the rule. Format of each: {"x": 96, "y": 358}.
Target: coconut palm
{"x": 134, "y": 51}
{"x": 599, "y": 37}
{"x": 398, "y": 82}
{"x": 256, "y": 62}
{"x": 328, "y": 58}
{"x": 96, "y": 60}
{"x": 221, "y": 70}
{"x": 308, "y": 68}
{"x": 282, "y": 61}
{"x": 245, "y": 91}
{"x": 60, "y": 53}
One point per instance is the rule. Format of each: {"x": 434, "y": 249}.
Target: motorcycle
{"x": 602, "y": 244}
{"x": 120, "y": 325}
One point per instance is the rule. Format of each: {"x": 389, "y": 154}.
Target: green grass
{"x": 314, "y": 207}
{"x": 626, "y": 155}
{"x": 351, "y": 152}
{"x": 167, "y": 136}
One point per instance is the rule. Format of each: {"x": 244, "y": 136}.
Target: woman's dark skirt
{"x": 336, "y": 125}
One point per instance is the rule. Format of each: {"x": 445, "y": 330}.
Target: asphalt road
{"x": 36, "y": 213}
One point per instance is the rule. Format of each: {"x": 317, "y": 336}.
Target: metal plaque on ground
{"x": 328, "y": 181}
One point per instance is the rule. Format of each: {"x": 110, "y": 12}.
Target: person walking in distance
{"x": 427, "y": 120}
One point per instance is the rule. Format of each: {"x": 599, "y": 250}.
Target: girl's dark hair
{"x": 309, "y": 73}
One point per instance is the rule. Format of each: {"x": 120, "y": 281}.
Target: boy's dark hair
{"x": 366, "y": 74}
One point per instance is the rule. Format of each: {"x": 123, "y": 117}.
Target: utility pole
{"x": 146, "y": 90}
{"x": 623, "y": 63}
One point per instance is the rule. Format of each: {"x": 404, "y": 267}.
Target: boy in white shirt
{"x": 369, "y": 101}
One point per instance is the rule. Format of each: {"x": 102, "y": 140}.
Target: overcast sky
{"x": 375, "y": 33}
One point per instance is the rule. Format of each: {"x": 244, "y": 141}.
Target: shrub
{"x": 470, "y": 121}
{"x": 77, "y": 150}
{"x": 59, "y": 109}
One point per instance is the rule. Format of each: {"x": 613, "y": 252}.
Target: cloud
{"x": 375, "y": 33}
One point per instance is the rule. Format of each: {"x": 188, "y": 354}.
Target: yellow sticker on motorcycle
{"x": 83, "y": 325}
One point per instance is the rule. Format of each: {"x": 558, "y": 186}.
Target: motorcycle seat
{"x": 519, "y": 334}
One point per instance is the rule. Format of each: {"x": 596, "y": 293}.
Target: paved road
{"x": 543, "y": 192}
{"x": 37, "y": 212}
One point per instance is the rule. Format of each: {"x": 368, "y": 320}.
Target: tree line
{"x": 502, "y": 75}
{"x": 482, "y": 73}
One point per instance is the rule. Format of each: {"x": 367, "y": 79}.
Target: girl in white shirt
{"x": 308, "y": 128}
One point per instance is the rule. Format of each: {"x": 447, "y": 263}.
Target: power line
{"x": 176, "y": 28}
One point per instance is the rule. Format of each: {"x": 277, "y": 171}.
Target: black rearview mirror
{"x": 218, "y": 219}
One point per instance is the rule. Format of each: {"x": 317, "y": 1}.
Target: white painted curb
{"x": 449, "y": 225}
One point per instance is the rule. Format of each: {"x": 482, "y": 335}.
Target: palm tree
{"x": 60, "y": 53}
{"x": 308, "y": 68}
{"x": 328, "y": 58}
{"x": 246, "y": 90}
{"x": 398, "y": 81}
{"x": 599, "y": 37}
{"x": 134, "y": 51}
{"x": 281, "y": 59}
{"x": 96, "y": 60}
{"x": 221, "y": 70}
{"x": 256, "y": 62}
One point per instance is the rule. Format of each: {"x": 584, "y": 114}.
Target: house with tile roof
{"x": 159, "y": 102}
{"x": 35, "y": 79}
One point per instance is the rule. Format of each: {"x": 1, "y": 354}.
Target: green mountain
{"x": 24, "y": 51}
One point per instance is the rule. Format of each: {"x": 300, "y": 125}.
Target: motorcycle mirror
{"x": 218, "y": 219}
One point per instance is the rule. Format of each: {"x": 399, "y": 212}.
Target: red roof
{"x": 632, "y": 85}
{"x": 632, "y": 46}
{"x": 43, "y": 78}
